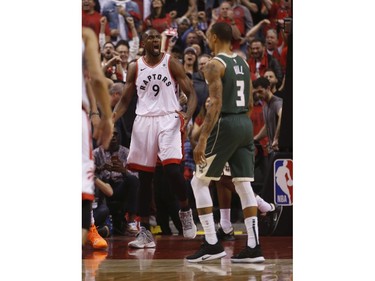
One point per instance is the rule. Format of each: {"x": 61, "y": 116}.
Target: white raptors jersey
{"x": 157, "y": 90}
{"x": 85, "y": 99}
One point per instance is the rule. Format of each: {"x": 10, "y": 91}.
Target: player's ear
{"x": 214, "y": 37}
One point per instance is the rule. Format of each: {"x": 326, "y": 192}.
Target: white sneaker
{"x": 188, "y": 227}
{"x": 144, "y": 239}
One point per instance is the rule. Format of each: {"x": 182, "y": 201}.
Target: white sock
{"x": 225, "y": 222}
{"x": 251, "y": 224}
{"x": 263, "y": 206}
{"x": 92, "y": 218}
{"x": 208, "y": 225}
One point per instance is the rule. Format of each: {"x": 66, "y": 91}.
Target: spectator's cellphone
{"x": 171, "y": 32}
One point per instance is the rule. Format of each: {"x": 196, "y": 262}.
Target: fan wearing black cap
{"x": 190, "y": 61}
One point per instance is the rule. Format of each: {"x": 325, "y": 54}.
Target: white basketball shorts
{"x": 152, "y": 137}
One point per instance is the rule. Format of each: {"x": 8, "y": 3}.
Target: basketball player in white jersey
{"x": 156, "y": 78}
{"x": 103, "y": 134}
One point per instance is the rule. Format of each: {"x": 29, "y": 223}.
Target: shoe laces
{"x": 201, "y": 249}
{"x": 144, "y": 236}
{"x": 94, "y": 233}
{"x": 243, "y": 253}
{"x": 204, "y": 245}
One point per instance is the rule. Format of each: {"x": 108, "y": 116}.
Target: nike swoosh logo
{"x": 204, "y": 258}
{"x": 143, "y": 69}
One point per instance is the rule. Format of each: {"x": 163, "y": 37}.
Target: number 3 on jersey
{"x": 240, "y": 87}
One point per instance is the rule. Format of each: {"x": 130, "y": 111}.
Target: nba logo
{"x": 283, "y": 182}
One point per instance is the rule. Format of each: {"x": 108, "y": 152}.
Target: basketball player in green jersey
{"x": 226, "y": 136}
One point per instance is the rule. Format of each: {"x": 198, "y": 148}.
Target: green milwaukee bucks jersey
{"x": 236, "y": 84}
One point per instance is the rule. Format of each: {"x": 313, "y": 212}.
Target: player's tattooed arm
{"x": 213, "y": 72}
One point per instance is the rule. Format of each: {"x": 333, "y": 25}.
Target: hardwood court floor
{"x": 166, "y": 261}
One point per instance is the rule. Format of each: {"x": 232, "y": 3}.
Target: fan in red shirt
{"x": 225, "y": 13}
{"x": 159, "y": 19}
{"x": 259, "y": 61}
{"x": 277, "y": 11}
{"x": 92, "y": 19}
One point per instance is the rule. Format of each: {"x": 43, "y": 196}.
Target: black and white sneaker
{"x": 275, "y": 217}
{"x": 268, "y": 223}
{"x": 207, "y": 252}
{"x": 221, "y": 235}
{"x": 249, "y": 255}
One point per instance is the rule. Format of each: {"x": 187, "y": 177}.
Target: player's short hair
{"x": 223, "y": 31}
{"x": 147, "y": 32}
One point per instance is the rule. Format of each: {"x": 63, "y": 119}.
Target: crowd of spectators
{"x": 260, "y": 29}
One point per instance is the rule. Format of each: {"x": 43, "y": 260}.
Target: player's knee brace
{"x": 201, "y": 193}
{"x": 246, "y": 194}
